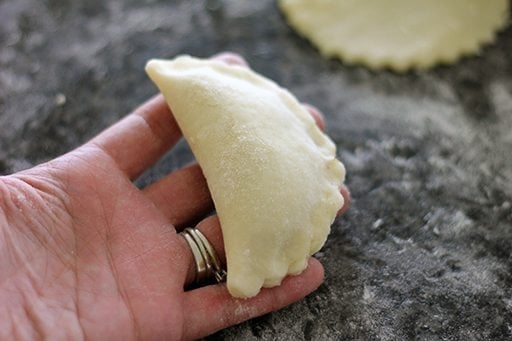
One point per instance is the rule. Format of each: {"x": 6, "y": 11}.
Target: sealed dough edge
{"x": 272, "y": 173}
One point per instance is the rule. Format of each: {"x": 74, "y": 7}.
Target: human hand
{"x": 84, "y": 253}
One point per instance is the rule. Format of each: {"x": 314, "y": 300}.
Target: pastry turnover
{"x": 272, "y": 173}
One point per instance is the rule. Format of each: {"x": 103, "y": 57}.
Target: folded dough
{"x": 399, "y": 34}
{"x": 272, "y": 173}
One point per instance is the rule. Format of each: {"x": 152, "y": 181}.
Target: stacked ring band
{"x": 208, "y": 265}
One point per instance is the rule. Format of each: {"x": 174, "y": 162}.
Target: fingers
{"x": 317, "y": 115}
{"x": 137, "y": 141}
{"x": 235, "y": 59}
{"x": 319, "y": 119}
{"x": 347, "y": 199}
{"x": 210, "y": 227}
{"x": 182, "y": 196}
{"x": 231, "y": 58}
{"x": 211, "y": 308}
{"x": 141, "y": 138}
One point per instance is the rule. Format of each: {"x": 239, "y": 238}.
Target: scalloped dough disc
{"x": 399, "y": 34}
{"x": 272, "y": 173}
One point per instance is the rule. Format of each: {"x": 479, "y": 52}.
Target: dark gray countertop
{"x": 425, "y": 251}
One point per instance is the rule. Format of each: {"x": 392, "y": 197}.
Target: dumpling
{"x": 272, "y": 173}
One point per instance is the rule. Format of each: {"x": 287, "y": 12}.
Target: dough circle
{"x": 272, "y": 173}
{"x": 398, "y": 34}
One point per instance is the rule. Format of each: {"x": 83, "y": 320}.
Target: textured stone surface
{"x": 424, "y": 252}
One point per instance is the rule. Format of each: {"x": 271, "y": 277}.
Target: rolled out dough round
{"x": 398, "y": 34}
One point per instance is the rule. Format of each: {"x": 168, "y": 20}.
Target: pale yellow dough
{"x": 272, "y": 173}
{"x": 399, "y": 34}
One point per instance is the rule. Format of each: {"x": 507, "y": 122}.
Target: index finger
{"x": 141, "y": 138}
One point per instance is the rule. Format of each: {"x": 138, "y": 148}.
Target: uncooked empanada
{"x": 272, "y": 173}
{"x": 399, "y": 34}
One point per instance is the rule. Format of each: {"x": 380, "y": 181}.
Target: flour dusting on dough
{"x": 272, "y": 172}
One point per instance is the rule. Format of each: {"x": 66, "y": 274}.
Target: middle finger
{"x": 181, "y": 196}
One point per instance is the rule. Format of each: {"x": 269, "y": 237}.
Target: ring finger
{"x": 210, "y": 228}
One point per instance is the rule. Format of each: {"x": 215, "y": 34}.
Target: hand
{"x": 84, "y": 253}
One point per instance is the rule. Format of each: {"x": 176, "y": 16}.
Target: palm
{"x": 109, "y": 253}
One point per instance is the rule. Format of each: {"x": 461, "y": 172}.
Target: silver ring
{"x": 208, "y": 265}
